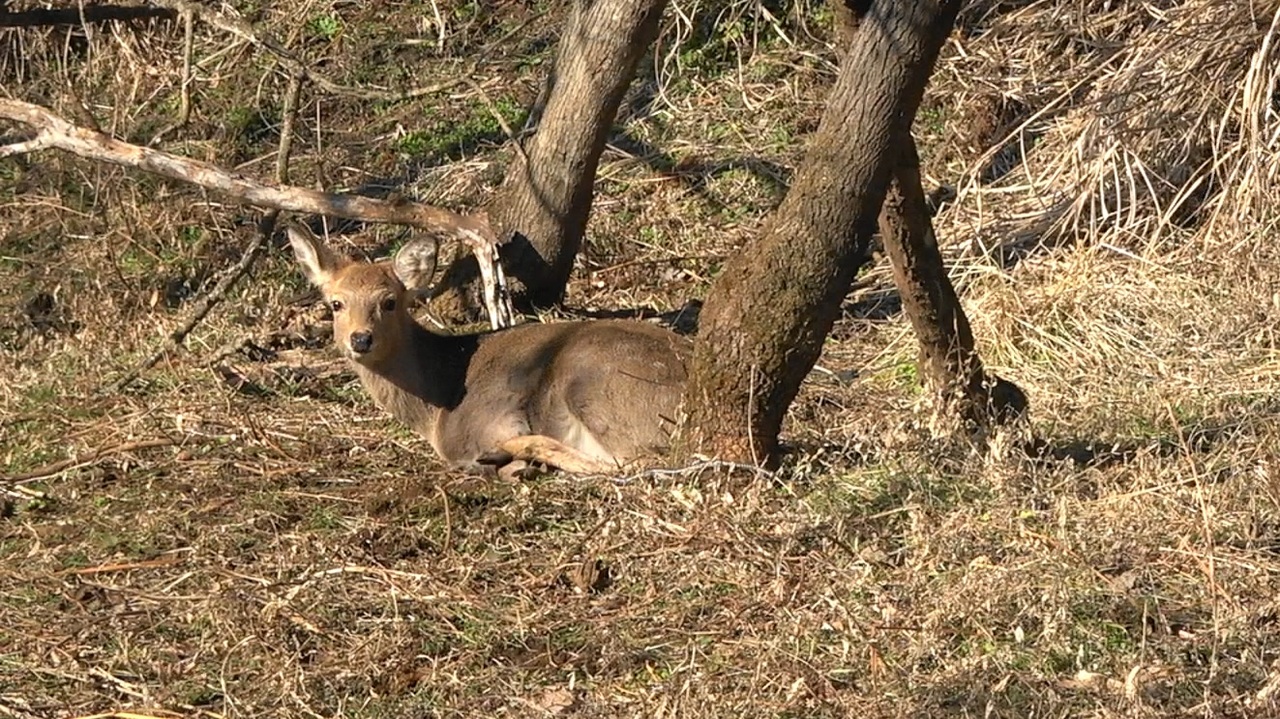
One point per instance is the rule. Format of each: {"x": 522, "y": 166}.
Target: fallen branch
{"x": 49, "y": 17}
{"x": 472, "y": 230}
{"x": 55, "y": 132}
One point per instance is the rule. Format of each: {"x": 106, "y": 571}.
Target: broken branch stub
{"x": 473, "y": 230}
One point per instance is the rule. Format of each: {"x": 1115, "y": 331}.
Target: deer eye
{"x": 389, "y": 305}
{"x": 336, "y": 305}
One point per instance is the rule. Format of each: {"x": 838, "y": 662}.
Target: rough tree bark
{"x": 767, "y": 316}
{"x": 545, "y": 199}
{"x": 964, "y": 395}
{"x": 949, "y": 364}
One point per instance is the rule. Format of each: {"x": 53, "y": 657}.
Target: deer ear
{"x": 415, "y": 263}
{"x": 317, "y": 260}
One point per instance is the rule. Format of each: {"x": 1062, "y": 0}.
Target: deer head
{"x": 370, "y": 300}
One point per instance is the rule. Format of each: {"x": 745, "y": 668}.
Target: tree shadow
{"x": 696, "y": 175}
{"x": 639, "y": 105}
{"x": 1085, "y": 453}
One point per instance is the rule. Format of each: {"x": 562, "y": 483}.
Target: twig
{"x": 120, "y": 685}
{"x": 164, "y": 561}
{"x": 244, "y": 30}
{"x": 441, "y": 31}
{"x": 184, "y": 108}
{"x": 27, "y": 492}
{"x": 697, "y": 468}
{"x": 372, "y": 571}
{"x": 129, "y": 715}
{"x": 203, "y": 307}
{"x": 289, "y": 114}
{"x": 84, "y": 460}
{"x": 502, "y": 121}
{"x": 448, "y": 521}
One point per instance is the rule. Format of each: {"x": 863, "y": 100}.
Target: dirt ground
{"x": 240, "y": 532}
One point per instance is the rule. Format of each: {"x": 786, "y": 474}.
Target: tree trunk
{"x": 948, "y": 362}
{"x": 545, "y": 199}
{"x": 767, "y": 316}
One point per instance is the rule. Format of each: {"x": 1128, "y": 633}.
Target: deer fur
{"x": 583, "y": 396}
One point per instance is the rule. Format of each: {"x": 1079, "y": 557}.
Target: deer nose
{"x": 361, "y": 342}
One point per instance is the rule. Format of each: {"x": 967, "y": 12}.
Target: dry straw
{"x": 1150, "y": 119}
{"x": 1144, "y": 136}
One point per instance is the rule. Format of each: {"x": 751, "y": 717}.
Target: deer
{"x": 584, "y": 396}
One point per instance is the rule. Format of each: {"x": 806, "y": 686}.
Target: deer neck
{"x": 419, "y": 382}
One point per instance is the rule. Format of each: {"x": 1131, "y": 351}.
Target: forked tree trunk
{"x": 949, "y": 364}
{"x": 544, "y": 203}
{"x": 767, "y": 316}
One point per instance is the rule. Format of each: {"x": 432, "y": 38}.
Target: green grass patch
{"x": 901, "y": 377}
{"x": 74, "y": 559}
{"x": 444, "y": 139}
{"x": 325, "y": 26}
{"x": 324, "y": 519}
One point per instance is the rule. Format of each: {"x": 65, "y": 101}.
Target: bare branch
{"x": 289, "y": 115}
{"x": 472, "y": 230}
{"x": 184, "y": 108}
{"x": 79, "y": 15}
{"x": 502, "y": 121}
{"x": 39, "y": 142}
{"x": 84, "y": 460}
{"x": 55, "y": 132}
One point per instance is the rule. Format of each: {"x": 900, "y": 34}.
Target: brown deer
{"x": 585, "y": 396}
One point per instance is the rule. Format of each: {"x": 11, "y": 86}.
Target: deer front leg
{"x": 554, "y": 453}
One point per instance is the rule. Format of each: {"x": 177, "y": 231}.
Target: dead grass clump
{"x": 1142, "y": 121}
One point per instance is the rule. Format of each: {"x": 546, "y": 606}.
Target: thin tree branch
{"x": 79, "y": 15}
{"x": 184, "y": 108}
{"x": 206, "y": 303}
{"x": 84, "y": 460}
{"x": 472, "y": 230}
{"x": 497, "y": 116}
{"x": 289, "y": 114}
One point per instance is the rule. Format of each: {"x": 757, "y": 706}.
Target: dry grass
{"x": 294, "y": 553}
